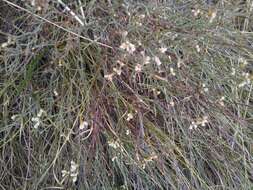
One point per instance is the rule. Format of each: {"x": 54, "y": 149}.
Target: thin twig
{"x": 81, "y": 8}
{"x": 64, "y": 29}
{"x": 66, "y": 7}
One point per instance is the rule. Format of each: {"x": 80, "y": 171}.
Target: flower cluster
{"x": 37, "y": 120}
{"x": 221, "y": 101}
{"x": 198, "y": 48}
{"x": 204, "y": 88}
{"x": 33, "y": 3}
{"x": 129, "y": 116}
{"x": 73, "y": 172}
{"x": 109, "y": 77}
{"x": 116, "y": 144}
{"x": 246, "y": 80}
{"x": 55, "y": 93}
{"x": 128, "y": 46}
{"x": 156, "y": 92}
{"x": 199, "y": 122}
{"x": 116, "y": 70}
{"x": 138, "y": 68}
{"x": 196, "y": 12}
{"x": 243, "y": 61}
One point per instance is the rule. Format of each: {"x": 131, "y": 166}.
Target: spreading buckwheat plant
{"x": 126, "y": 94}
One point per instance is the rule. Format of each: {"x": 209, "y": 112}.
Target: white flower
{"x": 197, "y": 48}
{"x": 55, "y": 93}
{"x": 162, "y": 49}
{"x": 127, "y": 132}
{"x": 172, "y": 72}
{"x": 205, "y": 89}
{"x": 170, "y": 58}
{"x": 33, "y": 3}
{"x": 138, "y": 23}
{"x": 117, "y": 71}
{"x": 139, "y": 43}
{"x": 242, "y": 84}
{"x": 196, "y": 12}
{"x": 128, "y": 46}
{"x": 73, "y": 171}
{"x": 64, "y": 173}
{"x": 246, "y": 75}
{"x": 193, "y": 125}
{"x": 199, "y": 122}
{"x": 221, "y": 101}
{"x": 74, "y": 178}
{"x": 129, "y": 116}
{"x": 157, "y": 61}
{"x": 172, "y": 103}
{"x": 4, "y": 45}
{"x": 120, "y": 63}
{"x": 39, "y": 8}
{"x": 243, "y": 61}
{"x": 36, "y": 121}
{"x": 124, "y": 45}
{"x": 246, "y": 80}
{"x": 73, "y": 166}
{"x": 147, "y": 60}
{"x": 233, "y": 71}
{"x": 39, "y": 114}
{"x": 109, "y": 76}
{"x": 204, "y": 121}
{"x": 83, "y": 125}
{"x": 113, "y": 144}
{"x": 60, "y": 63}
{"x": 222, "y": 98}
{"x": 142, "y": 16}
{"x": 179, "y": 63}
{"x": 138, "y": 68}
{"x": 13, "y": 117}
{"x": 156, "y": 92}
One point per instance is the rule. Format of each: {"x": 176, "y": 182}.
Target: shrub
{"x": 126, "y": 94}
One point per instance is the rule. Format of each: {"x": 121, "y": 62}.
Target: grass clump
{"x": 126, "y": 95}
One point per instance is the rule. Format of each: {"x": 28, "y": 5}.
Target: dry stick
{"x": 246, "y": 22}
{"x": 81, "y": 8}
{"x": 64, "y": 29}
{"x": 141, "y": 131}
{"x": 66, "y": 7}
